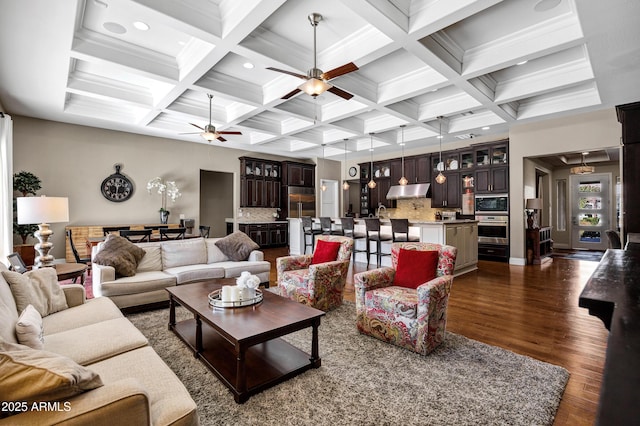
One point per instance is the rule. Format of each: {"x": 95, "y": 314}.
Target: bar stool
{"x": 373, "y": 234}
{"x": 326, "y": 226}
{"x": 309, "y": 230}
{"x": 400, "y": 231}
{"x": 348, "y": 230}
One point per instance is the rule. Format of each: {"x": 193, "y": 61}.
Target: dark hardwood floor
{"x": 531, "y": 310}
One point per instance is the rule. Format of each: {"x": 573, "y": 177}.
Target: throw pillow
{"x": 34, "y": 375}
{"x": 121, "y": 254}
{"x": 237, "y": 246}
{"x": 29, "y": 328}
{"x": 326, "y": 251}
{"x": 415, "y": 267}
{"x": 39, "y": 288}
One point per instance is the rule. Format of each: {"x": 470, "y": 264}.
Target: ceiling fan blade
{"x": 342, "y": 70}
{"x": 291, "y": 93}
{"x": 341, "y": 93}
{"x": 229, "y": 133}
{"x": 195, "y": 125}
{"x": 190, "y": 133}
{"x": 221, "y": 139}
{"x": 295, "y": 74}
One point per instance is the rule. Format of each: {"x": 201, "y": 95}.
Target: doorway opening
{"x": 216, "y": 201}
{"x": 329, "y": 199}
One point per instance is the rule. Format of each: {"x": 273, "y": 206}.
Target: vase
{"x": 164, "y": 216}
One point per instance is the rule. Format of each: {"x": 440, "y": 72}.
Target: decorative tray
{"x": 216, "y": 301}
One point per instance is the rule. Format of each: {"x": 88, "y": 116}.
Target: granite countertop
{"x": 243, "y": 221}
{"x": 419, "y": 222}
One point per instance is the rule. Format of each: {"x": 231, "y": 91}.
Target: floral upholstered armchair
{"x": 320, "y": 282}
{"x": 389, "y": 309}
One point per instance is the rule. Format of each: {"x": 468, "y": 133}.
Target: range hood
{"x": 402, "y": 192}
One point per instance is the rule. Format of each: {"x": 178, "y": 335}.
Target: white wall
{"x": 583, "y": 132}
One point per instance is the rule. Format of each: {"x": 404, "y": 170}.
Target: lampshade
{"x": 42, "y": 210}
{"x": 314, "y": 87}
{"x": 534, "y": 204}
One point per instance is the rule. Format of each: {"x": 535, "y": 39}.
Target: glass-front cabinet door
{"x": 591, "y": 211}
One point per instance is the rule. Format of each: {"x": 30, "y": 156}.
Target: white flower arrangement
{"x": 247, "y": 280}
{"x": 166, "y": 189}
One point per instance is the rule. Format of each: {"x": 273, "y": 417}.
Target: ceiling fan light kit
{"x": 317, "y": 81}
{"x": 209, "y": 132}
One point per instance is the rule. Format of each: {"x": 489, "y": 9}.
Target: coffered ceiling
{"x": 484, "y": 65}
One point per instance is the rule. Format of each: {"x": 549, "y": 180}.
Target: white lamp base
{"x": 43, "y": 259}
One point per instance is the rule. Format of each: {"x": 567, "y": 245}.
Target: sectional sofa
{"x": 171, "y": 263}
{"x": 89, "y": 337}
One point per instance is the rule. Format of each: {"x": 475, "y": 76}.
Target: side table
{"x": 67, "y": 271}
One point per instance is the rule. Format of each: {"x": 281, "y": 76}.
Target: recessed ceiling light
{"x": 522, "y": 62}
{"x": 439, "y": 136}
{"x": 114, "y": 27}
{"x": 141, "y": 26}
{"x": 543, "y": 5}
{"x": 248, "y": 65}
{"x": 486, "y": 128}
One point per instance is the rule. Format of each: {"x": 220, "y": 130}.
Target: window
{"x": 561, "y": 204}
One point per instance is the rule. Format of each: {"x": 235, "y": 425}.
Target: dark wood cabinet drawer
{"x": 493, "y": 252}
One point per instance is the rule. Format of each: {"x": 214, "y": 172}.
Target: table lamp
{"x": 42, "y": 210}
{"x": 532, "y": 206}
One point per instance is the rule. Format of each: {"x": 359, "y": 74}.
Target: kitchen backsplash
{"x": 418, "y": 209}
{"x": 255, "y": 214}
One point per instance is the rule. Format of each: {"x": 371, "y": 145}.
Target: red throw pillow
{"x": 326, "y": 251}
{"x": 415, "y": 267}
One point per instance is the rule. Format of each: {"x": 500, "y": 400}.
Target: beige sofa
{"x": 170, "y": 263}
{"x": 138, "y": 387}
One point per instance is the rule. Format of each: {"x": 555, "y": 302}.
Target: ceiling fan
{"x": 317, "y": 81}
{"x": 209, "y": 131}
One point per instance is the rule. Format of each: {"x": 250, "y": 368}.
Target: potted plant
{"x": 164, "y": 189}
{"x": 26, "y": 183}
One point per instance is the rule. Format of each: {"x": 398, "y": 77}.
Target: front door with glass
{"x": 590, "y": 211}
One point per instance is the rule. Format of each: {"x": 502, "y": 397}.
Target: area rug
{"x": 367, "y": 382}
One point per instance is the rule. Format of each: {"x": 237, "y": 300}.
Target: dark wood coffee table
{"x": 242, "y": 346}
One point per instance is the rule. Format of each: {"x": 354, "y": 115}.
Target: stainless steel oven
{"x": 493, "y": 229}
{"x": 492, "y": 204}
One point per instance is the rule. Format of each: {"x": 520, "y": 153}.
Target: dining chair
{"x": 155, "y": 227}
{"x": 348, "y": 230}
{"x": 172, "y": 233}
{"x": 106, "y": 230}
{"x": 372, "y": 226}
{"x": 204, "y": 231}
{"x": 76, "y": 255}
{"x": 400, "y": 231}
{"x": 309, "y": 231}
{"x": 137, "y": 235}
{"x": 326, "y": 226}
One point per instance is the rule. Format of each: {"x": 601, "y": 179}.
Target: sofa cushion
{"x": 401, "y": 301}
{"x": 140, "y": 283}
{"x": 152, "y": 259}
{"x": 121, "y": 254}
{"x": 183, "y": 252}
{"x": 415, "y": 267}
{"x": 34, "y": 375}
{"x": 234, "y": 269}
{"x": 39, "y": 288}
{"x": 214, "y": 254}
{"x": 95, "y": 342}
{"x": 191, "y": 273}
{"x": 237, "y": 246}
{"x": 91, "y": 312}
{"x": 167, "y": 407}
{"x": 29, "y": 328}
{"x": 8, "y": 320}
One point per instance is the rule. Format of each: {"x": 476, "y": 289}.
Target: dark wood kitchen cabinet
{"x": 492, "y": 180}
{"x": 416, "y": 169}
{"x": 267, "y": 234}
{"x": 259, "y": 182}
{"x": 298, "y": 174}
{"x": 447, "y": 194}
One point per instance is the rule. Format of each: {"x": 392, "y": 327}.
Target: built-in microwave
{"x": 492, "y": 204}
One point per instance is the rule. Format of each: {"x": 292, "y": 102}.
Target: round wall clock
{"x": 353, "y": 171}
{"x": 117, "y": 187}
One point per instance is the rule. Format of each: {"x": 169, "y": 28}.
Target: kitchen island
{"x": 460, "y": 233}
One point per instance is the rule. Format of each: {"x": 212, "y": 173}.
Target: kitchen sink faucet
{"x": 381, "y": 207}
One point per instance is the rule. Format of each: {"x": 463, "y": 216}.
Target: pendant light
{"x": 440, "y": 178}
{"x": 323, "y": 186}
{"x": 345, "y": 184}
{"x": 372, "y": 183}
{"x": 583, "y": 169}
{"x": 403, "y": 180}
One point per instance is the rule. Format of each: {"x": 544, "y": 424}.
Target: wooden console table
{"x": 612, "y": 293}
{"x": 539, "y": 245}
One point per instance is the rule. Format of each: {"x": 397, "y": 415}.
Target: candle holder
{"x": 215, "y": 300}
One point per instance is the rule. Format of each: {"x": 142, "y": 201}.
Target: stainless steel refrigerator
{"x": 301, "y": 201}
